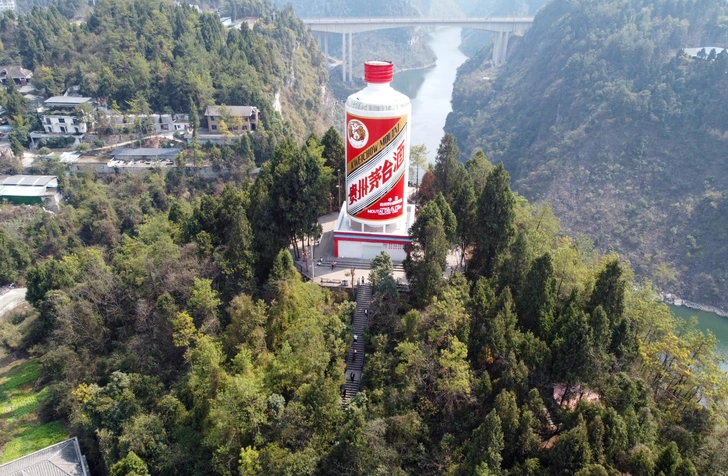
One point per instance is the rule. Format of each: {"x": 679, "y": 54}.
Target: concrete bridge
{"x": 502, "y": 26}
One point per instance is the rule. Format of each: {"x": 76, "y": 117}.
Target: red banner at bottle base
{"x": 376, "y": 160}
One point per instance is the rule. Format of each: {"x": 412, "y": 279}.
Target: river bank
{"x": 676, "y": 301}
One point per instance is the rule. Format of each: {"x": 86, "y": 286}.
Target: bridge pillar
{"x": 500, "y": 47}
{"x": 326, "y": 47}
{"x": 343, "y": 57}
{"x": 351, "y": 56}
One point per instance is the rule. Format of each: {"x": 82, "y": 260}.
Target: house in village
{"x": 61, "y": 121}
{"x": 161, "y": 123}
{"x": 237, "y": 119}
{"x": 20, "y": 75}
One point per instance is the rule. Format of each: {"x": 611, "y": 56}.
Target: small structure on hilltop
{"x": 62, "y": 459}
{"x": 30, "y": 189}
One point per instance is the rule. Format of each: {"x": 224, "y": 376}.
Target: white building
{"x": 162, "y": 122}
{"x": 58, "y": 115}
{"x": 7, "y": 5}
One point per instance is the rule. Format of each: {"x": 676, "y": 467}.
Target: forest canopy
{"x": 176, "y": 336}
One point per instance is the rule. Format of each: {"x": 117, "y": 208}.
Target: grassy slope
{"x": 21, "y": 431}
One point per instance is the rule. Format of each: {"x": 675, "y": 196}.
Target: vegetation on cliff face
{"x": 600, "y": 112}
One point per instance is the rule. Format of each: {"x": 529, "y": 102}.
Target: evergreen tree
{"x": 537, "y": 300}
{"x": 130, "y": 465}
{"x": 446, "y": 166}
{"x": 571, "y": 451}
{"x": 486, "y": 445}
{"x": 513, "y": 267}
{"x": 609, "y": 291}
{"x": 479, "y": 167}
{"x": 448, "y": 218}
{"x": 495, "y": 222}
{"x": 464, "y": 206}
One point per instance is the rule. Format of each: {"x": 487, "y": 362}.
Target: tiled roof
{"x": 15, "y": 71}
{"x": 62, "y": 459}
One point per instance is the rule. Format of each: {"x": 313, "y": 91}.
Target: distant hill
{"x": 600, "y": 112}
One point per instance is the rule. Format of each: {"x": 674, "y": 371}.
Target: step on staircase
{"x": 358, "y": 324}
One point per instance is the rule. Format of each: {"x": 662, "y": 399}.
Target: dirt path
{"x": 11, "y": 299}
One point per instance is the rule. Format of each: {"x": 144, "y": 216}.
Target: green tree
{"x": 479, "y": 167}
{"x": 14, "y": 258}
{"x": 495, "y": 222}
{"x": 448, "y": 218}
{"x": 130, "y": 465}
{"x": 417, "y": 161}
{"x": 381, "y": 270}
{"x": 609, "y": 291}
{"x": 571, "y": 451}
{"x": 446, "y": 166}
{"x": 537, "y": 300}
{"x": 486, "y": 445}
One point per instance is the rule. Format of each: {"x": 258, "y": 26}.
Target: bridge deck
{"x": 357, "y": 25}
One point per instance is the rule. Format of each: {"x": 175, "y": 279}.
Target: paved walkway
{"x": 355, "y": 366}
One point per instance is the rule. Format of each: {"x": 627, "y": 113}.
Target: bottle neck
{"x": 378, "y": 86}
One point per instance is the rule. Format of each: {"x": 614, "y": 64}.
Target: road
{"x": 11, "y": 299}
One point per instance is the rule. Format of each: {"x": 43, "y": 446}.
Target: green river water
{"x": 707, "y": 321}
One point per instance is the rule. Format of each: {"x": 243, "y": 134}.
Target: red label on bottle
{"x": 376, "y": 159}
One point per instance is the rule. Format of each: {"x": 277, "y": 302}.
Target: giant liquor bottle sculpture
{"x": 375, "y": 215}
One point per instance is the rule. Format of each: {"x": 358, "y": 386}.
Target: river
{"x": 430, "y": 89}
{"x": 707, "y": 321}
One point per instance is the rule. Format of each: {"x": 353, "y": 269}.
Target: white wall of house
{"x": 63, "y": 124}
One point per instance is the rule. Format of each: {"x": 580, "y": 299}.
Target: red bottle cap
{"x": 378, "y": 71}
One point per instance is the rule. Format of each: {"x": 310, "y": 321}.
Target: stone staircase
{"x": 358, "y": 325}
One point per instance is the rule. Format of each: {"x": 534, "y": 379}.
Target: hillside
{"x": 599, "y": 112}
{"x": 149, "y": 55}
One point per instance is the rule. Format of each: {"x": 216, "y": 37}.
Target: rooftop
{"x": 244, "y": 111}
{"x": 61, "y": 459}
{"x": 28, "y": 186}
{"x": 15, "y": 71}
{"x": 146, "y": 152}
{"x": 29, "y": 181}
{"x": 65, "y": 101}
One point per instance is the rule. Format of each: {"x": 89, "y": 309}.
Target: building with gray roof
{"x": 62, "y": 459}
